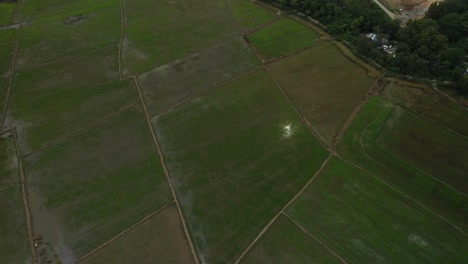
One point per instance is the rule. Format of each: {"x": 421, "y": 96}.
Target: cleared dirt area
{"x": 408, "y": 9}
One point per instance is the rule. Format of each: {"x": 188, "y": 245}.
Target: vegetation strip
{"x": 146, "y": 218}
{"x": 316, "y": 239}
{"x": 280, "y": 212}
{"x": 25, "y": 198}
{"x": 405, "y": 195}
{"x": 79, "y": 130}
{"x": 166, "y": 172}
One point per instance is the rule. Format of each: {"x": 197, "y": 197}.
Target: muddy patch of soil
{"x": 74, "y": 19}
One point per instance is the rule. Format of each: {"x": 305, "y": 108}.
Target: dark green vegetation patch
{"x": 14, "y": 245}
{"x": 365, "y": 221}
{"x": 249, "y": 15}
{"x": 245, "y": 154}
{"x": 50, "y": 102}
{"x": 282, "y": 37}
{"x": 169, "y": 31}
{"x": 285, "y": 242}
{"x": 47, "y": 38}
{"x": 360, "y": 147}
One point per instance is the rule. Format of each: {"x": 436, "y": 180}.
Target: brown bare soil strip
{"x": 17, "y": 7}
{"x": 8, "y": 186}
{"x": 206, "y": 92}
{"x": 405, "y": 195}
{"x": 25, "y": 198}
{"x": 10, "y": 79}
{"x": 166, "y": 172}
{"x": 281, "y": 212}
{"x": 80, "y": 130}
{"x": 146, "y": 218}
{"x": 66, "y": 58}
{"x": 123, "y": 19}
{"x": 316, "y": 239}
{"x": 306, "y": 123}
{"x": 378, "y": 84}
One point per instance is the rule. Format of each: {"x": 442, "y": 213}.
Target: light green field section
{"x": 282, "y": 37}
{"x": 169, "y": 31}
{"x": 6, "y": 12}
{"x": 45, "y": 37}
{"x": 8, "y": 35}
{"x": 249, "y": 15}
{"x": 160, "y": 239}
{"x": 323, "y": 85}
{"x": 89, "y": 188}
{"x": 176, "y": 82}
{"x": 427, "y": 146}
{"x": 50, "y": 102}
{"x": 364, "y": 221}
{"x": 285, "y": 242}
{"x": 236, "y": 156}
{"x": 429, "y": 104}
{"x": 359, "y": 146}
{"x": 14, "y": 244}
{"x": 8, "y": 162}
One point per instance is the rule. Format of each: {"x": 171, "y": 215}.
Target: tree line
{"x": 433, "y": 47}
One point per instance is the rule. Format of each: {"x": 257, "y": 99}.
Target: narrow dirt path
{"x": 146, "y": 218}
{"x": 281, "y": 211}
{"x": 316, "y": 239}
{"x": 11, "y": 73}
{"x": 166, "y": 172}
{"x": 25, "y": 198}
{"x": 123, "y": 20}
{"x": 234, "y": 17}
{"x": 388, "y": 12}
{"x": 378, "y": 84}
{"x": 405, "y": 195}
{"x": 15, "y": 12}
{"x": 8, "y": 186}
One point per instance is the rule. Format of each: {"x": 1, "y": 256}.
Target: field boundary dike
{"x": 166, "y": 172}
{"x": 315, "y": 238}
{"x": 146, "y": 218}
{"x": 403, "y": 194}
{"x": 263, "y": 231}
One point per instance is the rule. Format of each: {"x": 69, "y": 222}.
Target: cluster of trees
{"x": 434, "y": 47}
